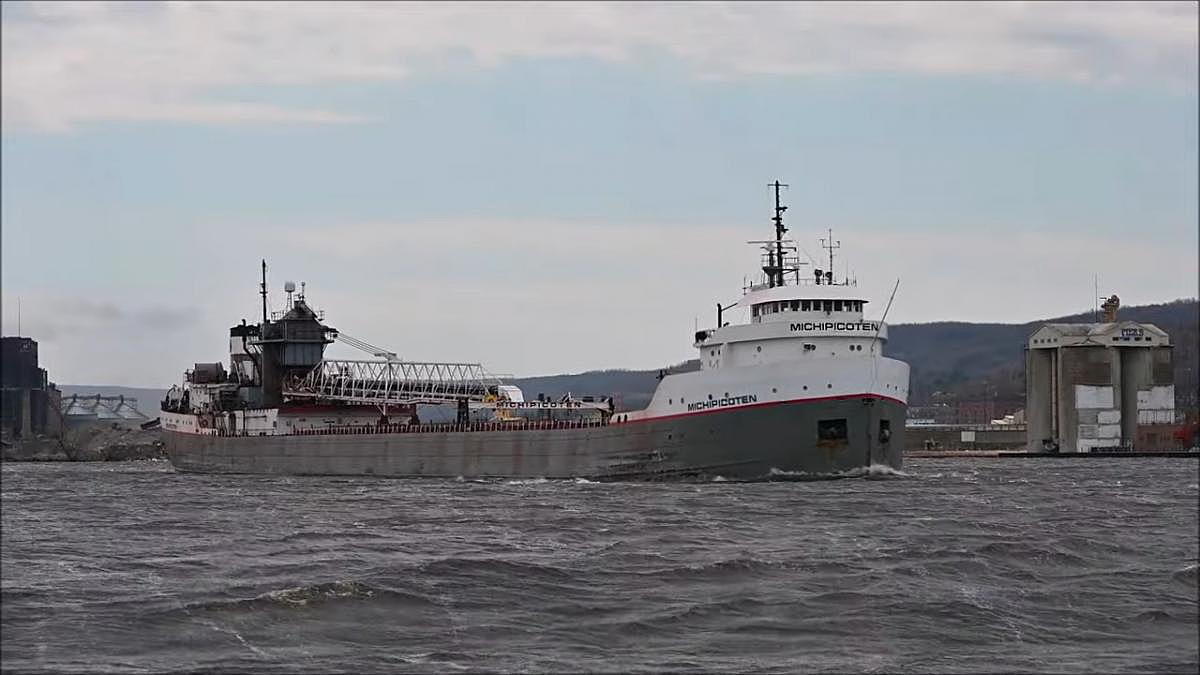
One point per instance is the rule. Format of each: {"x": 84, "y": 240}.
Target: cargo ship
{"x": 799, "y": 389}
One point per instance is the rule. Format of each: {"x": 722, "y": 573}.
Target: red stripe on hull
{"x": 843, "y": 397}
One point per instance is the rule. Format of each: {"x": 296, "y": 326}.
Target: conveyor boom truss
{"x": 394, "y": 382}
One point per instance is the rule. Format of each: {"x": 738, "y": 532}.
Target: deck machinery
{"x": 280, "y": 364}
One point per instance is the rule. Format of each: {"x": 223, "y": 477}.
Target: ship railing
{"x": 374, "y": 429}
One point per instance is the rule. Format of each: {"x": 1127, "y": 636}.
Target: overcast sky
{"x": 554, "y": 188}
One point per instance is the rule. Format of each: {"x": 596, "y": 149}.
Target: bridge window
{"x": 837, "y": 305}
{"x": 805, "y": 305}
{"x": 795, "y": 305}
{"x": 827, "y": 305}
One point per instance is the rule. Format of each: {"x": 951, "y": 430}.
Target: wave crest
{"x": 872, "y": 472}
{"x": 311, "y": 595}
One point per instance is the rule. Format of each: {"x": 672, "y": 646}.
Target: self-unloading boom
{"x": 394, "y": 382}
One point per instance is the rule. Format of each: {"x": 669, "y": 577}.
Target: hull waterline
{"x": 777, "y": 441}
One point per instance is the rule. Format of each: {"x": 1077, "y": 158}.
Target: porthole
{"x": 710, "y": 397}
{"x": 806, "y": 387}
{"x": 774, "y": 390}
{"x": 829, "y": 386}
{"x": 726, "y": 394}
{"x": 759, "y": 348}
{"x": 671, "y": 401}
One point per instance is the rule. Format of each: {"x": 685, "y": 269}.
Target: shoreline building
{"x": 29, "y": 401}
{"x": 1099, "y": 386}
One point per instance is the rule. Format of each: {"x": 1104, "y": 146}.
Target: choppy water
{"x": 963, "y": 565}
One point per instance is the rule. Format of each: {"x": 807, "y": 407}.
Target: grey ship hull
{"x": 770, "y": 441}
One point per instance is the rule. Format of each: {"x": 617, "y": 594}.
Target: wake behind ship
{"x": 801, "y": 390}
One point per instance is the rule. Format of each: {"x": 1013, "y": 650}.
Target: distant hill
{"x": 964, "y": 359}
{"x": 632, "y": 388}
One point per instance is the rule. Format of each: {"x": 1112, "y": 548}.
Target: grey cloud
{"x": 101, "y": 61}
{"x": 66, "y": 315}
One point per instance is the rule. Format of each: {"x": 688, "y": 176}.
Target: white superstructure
{"x": 804, "y": 338}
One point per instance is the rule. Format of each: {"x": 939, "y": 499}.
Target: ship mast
{"x": 775, "y": 268}
{"x": 263, "y": 291}
{"x": 831, "y": 246}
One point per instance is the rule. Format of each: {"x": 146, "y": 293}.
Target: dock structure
{"x": 79, "y": 409}
{"x": 1101, "y": 386}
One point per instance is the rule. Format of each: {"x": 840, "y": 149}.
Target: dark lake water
{"x": 959, "y": 566}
